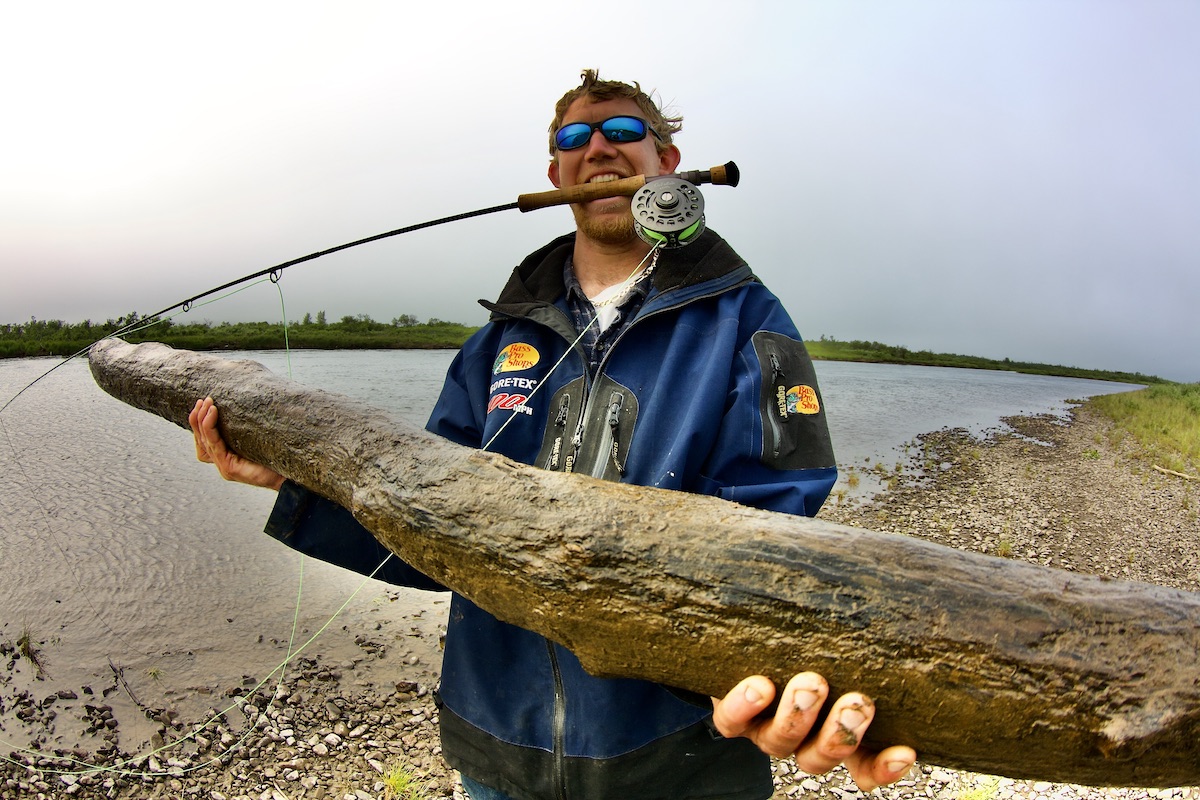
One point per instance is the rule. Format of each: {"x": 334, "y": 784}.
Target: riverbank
{"x": 1072, "y": 496}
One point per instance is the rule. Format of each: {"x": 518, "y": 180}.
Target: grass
{"x": 399, "y": 784}
{"x": 828, "y": 349}
{"x": 58, "y": 338}
{"x": 1163, "y": 419}
{"x": 984, "y": 791}
{"x": 30, "y": 649}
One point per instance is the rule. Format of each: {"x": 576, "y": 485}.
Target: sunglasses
{"x": 615, "y": 129}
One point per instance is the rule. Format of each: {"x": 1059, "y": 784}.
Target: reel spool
{"x": 668, "y": 212}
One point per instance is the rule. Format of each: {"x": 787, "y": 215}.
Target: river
{"x": 120, "y": 551}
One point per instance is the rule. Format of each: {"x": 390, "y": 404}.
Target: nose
{"x": 599, "y": 147}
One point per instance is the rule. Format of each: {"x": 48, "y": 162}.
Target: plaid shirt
{"x": 595, "y": 341}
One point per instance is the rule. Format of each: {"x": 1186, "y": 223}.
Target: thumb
{"x": 734, "y": 714}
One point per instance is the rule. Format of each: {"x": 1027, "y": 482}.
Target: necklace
{"x": 631, "y": 281}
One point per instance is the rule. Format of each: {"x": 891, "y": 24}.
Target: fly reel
{"x": 668, "y": 212}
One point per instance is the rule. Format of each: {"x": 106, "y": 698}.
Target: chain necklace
{"x": 631, "y": 281}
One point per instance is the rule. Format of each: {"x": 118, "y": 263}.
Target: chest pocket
{"x": 592, "y": 433}
{"x": 795, "y": 431}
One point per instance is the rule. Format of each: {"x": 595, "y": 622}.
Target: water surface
{"x": 120, "y": 551}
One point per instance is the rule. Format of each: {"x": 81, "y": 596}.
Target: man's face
{"x": 608, "y": 220}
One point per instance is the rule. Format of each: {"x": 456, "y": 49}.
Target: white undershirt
{"x": 606, "y": 314}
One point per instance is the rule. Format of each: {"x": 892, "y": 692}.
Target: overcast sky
{"x": 1003, "y": 179}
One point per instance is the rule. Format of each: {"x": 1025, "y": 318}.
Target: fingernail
{"x": 852, "y": 717}
{"x": 852, "y": 722}
{"x": 898, "y": 767}
{"x": 751, "y": 694}
{"x": 804, "y": 698}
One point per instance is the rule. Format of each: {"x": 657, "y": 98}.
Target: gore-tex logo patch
{"x": 511, "y": 394}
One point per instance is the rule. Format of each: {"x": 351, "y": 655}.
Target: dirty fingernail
{"x": 852, "y": 717}
{"x": 804, "y": 698}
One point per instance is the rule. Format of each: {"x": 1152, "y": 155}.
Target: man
{"x": 669, "y": 368}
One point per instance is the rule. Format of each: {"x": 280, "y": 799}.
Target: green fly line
{"x": 293, "y": 652}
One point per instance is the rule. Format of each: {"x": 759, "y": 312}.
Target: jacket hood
{"x": 538, "y": 280}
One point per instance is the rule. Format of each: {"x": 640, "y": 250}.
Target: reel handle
{"x": 724, "y": 175}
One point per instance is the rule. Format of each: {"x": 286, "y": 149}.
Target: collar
{"x": 539, "y": 279}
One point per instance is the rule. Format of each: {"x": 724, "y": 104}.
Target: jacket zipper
{"x": 780, "y": 397}
{"x": 560, "y": 421}
{"x": 610, "y": 444}
{"x": 559, "y": 726}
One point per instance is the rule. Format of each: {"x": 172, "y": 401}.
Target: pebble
{"x": 302, "y": 736}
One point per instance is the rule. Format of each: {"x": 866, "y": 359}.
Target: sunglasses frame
{"x": 599, "y": 126}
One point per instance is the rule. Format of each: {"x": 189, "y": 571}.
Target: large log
{"x": 979, "y": 663}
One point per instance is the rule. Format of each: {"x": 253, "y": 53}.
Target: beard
{"x": 606, "y": 230}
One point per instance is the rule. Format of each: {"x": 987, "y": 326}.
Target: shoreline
{"x": 1064, "y": 494}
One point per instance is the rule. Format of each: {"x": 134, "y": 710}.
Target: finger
{"x": 799, "y": 705}
{"x": 872, "y": 770}
{"x": 734, "y": 714}
{"x": 218, "y": 453}
{"x": 839, "y": 735}
{"x": 194, "y": 417}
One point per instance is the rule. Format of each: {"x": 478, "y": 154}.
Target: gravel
{"x": 1068, "y": 495}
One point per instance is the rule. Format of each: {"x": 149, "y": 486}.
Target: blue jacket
{"x": 707, "y": 390}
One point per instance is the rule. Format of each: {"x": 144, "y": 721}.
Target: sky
{"x": 1000, "y": 178}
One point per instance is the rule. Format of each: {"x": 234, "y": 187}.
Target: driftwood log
{"x": 980, "y": 663}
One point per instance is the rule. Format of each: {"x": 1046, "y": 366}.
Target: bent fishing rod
{"x": 668, "y": 211}
{"x": 724, "y": 175}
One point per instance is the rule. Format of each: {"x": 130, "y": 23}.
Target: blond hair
{"x": 597, "y": 91}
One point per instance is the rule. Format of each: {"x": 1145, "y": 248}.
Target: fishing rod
{"x": 668, "y": 211}
{"x": 724, "y": 175}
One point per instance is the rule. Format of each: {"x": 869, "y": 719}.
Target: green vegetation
{"x": 30, "y": 649}
{"x": 57, "y": 338}
{"x": 984, "y": 791}
{"x": 400, "y": 785}
{"x": 1163, "y": 419}
{"x": 826, "y": 349}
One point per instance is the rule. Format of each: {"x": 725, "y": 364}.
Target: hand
{"x": 789, "y": 731}
{"x": 211, "y": 449}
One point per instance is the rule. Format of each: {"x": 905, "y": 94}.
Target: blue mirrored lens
{"x": 615, "y": 129}
{"x": 572, "y": 136}
{"x": 623, "y": 129}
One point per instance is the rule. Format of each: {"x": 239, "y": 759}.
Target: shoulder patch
{"x": 795, "y": 433}
{"x": 515, "y": 357}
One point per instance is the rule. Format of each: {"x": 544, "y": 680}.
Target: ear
{"x": 668, "y": 160}
{"x": 552, "y": 173}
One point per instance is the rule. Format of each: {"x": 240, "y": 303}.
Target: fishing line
{"x": 48, "y": 527}
{"x": 236, "y": 704}
{"x": 133, "y": 327}
{"x": 287, "y": 346}
{"x": 666, "y": 208}
{"x": 125, "y": 330}
{"x": 660, "y": 219}
{"x": 270, "y": 273}
{"x": 630, "y": 282}
{"x": 292, "y": 653}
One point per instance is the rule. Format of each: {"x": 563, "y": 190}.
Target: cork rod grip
{"x": 626, "y": 187}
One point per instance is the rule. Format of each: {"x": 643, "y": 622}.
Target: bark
{"x": 980, "y": 663}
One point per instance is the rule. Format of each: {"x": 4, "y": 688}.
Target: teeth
{"x": 604, "y": 178}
